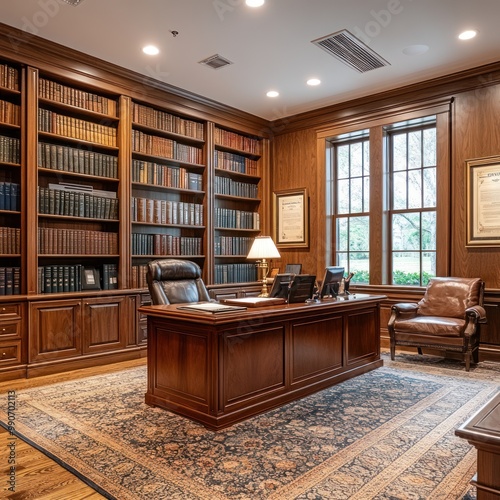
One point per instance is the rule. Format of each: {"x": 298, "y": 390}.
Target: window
{"x": 351, "y": 197}
{"x": 412, "y": 203}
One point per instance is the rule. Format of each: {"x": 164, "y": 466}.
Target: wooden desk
{"x": 219, "y": 369}
{"x": 483, "y": 432}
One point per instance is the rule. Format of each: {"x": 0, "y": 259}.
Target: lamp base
{"x": 264, "y": 292}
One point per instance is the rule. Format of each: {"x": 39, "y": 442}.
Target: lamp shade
{"x": 263, "y": 247}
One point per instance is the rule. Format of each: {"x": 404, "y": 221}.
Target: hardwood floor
{"x": 37, "y": 476}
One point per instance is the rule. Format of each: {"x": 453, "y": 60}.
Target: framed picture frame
{"x": 483, "y": 202}
{"x": 91, "y": 279}
{"x": 291, "y": 218}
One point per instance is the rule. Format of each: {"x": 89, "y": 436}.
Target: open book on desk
{"x": 211, "y": 307}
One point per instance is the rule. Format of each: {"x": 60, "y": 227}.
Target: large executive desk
{"x": 219, "y": 369}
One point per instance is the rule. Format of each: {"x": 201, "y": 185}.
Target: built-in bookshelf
{"x": 168, "y": 205}
{"x": 236, "y": 212}
{"x": 78, "y": 226}
{"x": 10, "y": 178}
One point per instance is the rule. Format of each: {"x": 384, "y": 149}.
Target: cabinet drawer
{"x": 8, "y": 311}
{"x": 10, "y": 353}
{"x": 10, "y": 329}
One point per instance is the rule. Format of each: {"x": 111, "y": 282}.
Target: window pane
{"x": 359, "y": 234}
{"x": 406, "y": 268}
{"x": 428, "y": 266}
{"x": 359, "y": 265}
{"x": 343, "y": 197}
{"x": 342, "y": 234}
{"x": 399, "y": 152}
{"x": 406, "y": 231}
{"x": 342, "y": 162}
{"x": 356, "y": 195}
{"x": 414, "y": 189}
{"x": 366, "y": 195}
{"x": 399, "y": 191}
{"x": 415, "y": 149}
{"x": 356, "y": 159}
{"x": 429, "y": 187}
{"x": 430, "y": 147}
{"x": 366, "y": 159}
{"x": 429, "y": 231}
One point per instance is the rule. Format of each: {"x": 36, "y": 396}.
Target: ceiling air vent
{"x": 74, "y": 3}
{"x": 216, "y": 61}
{"x": 351, "y": 51}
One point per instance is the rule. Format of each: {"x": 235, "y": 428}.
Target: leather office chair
{"x": 447, "y": 318}
{"x": 174, "y": 281}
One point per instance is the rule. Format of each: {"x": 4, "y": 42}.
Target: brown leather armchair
{"x": 173, "y": 281}
{"x": 447, "y": 318}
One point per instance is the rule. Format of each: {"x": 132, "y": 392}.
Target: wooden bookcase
{"x": 168, "y": 203}
{"x": 107, "y": 181}
{"x": 237, "y": 204}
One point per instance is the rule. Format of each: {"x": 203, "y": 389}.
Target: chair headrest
{"x": 173, "y": 269}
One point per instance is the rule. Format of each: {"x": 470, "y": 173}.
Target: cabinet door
{"x": 55, "y": 330}
{"x": 106, "y": 323}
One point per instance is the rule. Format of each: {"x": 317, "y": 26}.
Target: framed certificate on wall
{"x": 483, "y": 202}
{"x": 291, "y": 218}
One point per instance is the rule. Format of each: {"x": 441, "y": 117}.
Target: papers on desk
{"x": 255, "y": 301}
{"x": 211, "y": 307}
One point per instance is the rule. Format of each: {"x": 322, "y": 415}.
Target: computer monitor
{"x": 280, "y": 286}
{"x": 302, "y": 288}
{"x": 331, "y": 281}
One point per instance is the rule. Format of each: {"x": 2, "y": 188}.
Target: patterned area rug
{"x": 387, "y": 434}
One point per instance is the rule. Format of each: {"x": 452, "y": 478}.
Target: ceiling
{"x": 270, "y": 47}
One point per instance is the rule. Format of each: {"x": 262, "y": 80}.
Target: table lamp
{"x": 263, "y": 248}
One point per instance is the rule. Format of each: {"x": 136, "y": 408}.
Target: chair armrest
{"x": 476, "y": 312}
{"x": 406, "y": 309}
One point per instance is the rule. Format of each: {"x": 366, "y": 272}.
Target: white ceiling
{"x": 270, "y": 47}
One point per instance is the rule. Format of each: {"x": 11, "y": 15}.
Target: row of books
{"x": 165, "y": 244}
{"x": 147, "y": 172}
{"x": 9, "y": 77}
{"x": 76, "y": 242}
{"x": 76, "y": 128}
{"x": 9, "y": 149}
{"x": 60, "y": 278}
{"x": 10, "y": 240}
{"x": 236, "y": 141}
{"x": 47, "y": 89}
{"x": 235, "y": 273}
{"x": 109, "y": 277}
{"x": 235, "y": 163}
{"x": 80, "y": 161}
{"x": 9, "y": 196}
{"x": 167, "y": 212}
{"x": 236, "y": 219}
{"x": 10, "y": 280}
{"x": 139, "y": 276}
{"x": 10, "y": 113}
{"x": 167, "y": 122}
{"x": 231, "y": 187}
{"x": 76, "y": 204}
{"x": 232, "y": 245}
{"x": 165, "y": 148}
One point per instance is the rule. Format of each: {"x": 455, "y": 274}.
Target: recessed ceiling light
{"x": 415, "y": 50}
{"x": 151, "y": 50}
{"x": 313, "y": 81}
{"x": 273, "y": 93}
{"x": 467, "y": 35}
{"x": 254, "y": 3}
